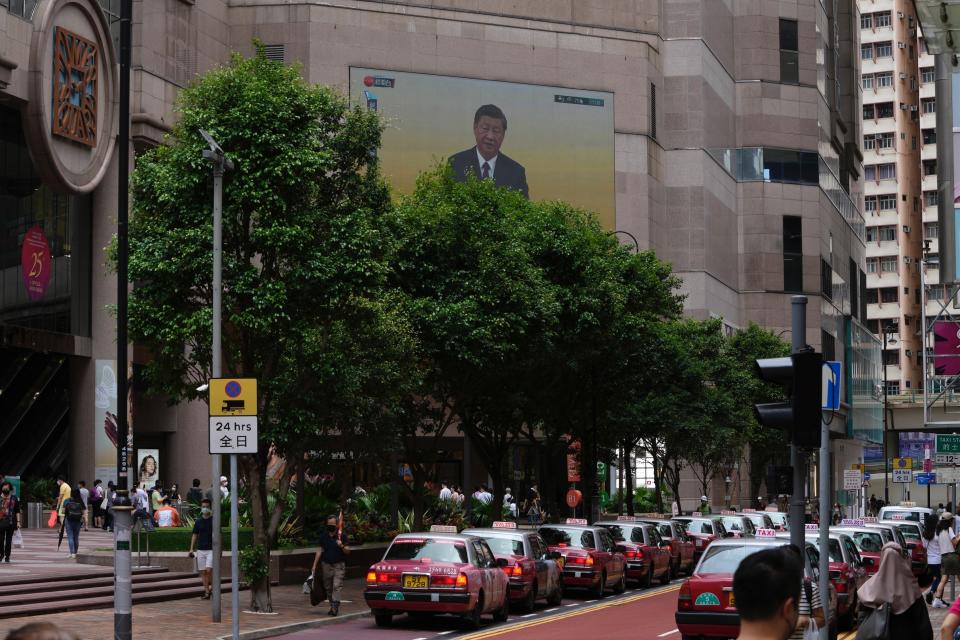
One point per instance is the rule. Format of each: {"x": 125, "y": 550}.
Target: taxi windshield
{"x": 726, "y": 558}
{"x": 561, "y": 536}
{"x": 909, "y": 532}
{"x": 505, "y": 546}
{"x": 665, "y": 531}
{"x": 427, "y": 549}
{"x": 870, "y": 542}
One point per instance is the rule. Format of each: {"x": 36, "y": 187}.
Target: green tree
{"x": 304, "y": 268}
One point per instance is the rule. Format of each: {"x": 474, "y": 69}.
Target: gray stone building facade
{"x": 736, "y": 146}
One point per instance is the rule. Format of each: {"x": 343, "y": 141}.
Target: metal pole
{"x": 216, "y": 464}
{"x": 824, "y": 530}
{"x": 886, "y": 453}
{"x": 798, "y": 458}
{"x": 945, "y": 207}
{"x": 234, "y": 553}
{"x": 122, "y": 587}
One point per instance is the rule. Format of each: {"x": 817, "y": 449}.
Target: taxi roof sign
{"x": 575, "y": 521}
{"x": 749, "y": 510}
{"x": 852, "y": 522}
{"x": 907, "y": 503}
{"x": 696, "y": 514}
{"x": 766, "y": 533}
{"x": 443, "y": 528}
{"x": 627, "y": 518}
{"x": 867, "y": 519}
{"x": 503, "y": 524}
{"x": 727, "y": 512}
{"x": 233, "y": 396}
{"x": 810, "y": 526}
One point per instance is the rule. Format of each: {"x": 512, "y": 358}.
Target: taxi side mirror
{"x": 502, "y": 562}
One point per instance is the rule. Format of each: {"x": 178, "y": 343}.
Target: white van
{"x": 905, "y": 511}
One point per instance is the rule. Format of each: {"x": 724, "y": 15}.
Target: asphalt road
{"x": 637, "y": 615}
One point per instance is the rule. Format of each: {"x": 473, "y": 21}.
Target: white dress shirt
{"x": 492, "y": 162}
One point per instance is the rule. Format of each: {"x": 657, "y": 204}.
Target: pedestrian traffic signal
{"x": 800, "y": 412}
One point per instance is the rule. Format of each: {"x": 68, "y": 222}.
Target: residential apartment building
{"x": 900, "y": 182}
{"x": 734, "y": 153}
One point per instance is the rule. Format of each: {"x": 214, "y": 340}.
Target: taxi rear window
{"x": 505, "y": 546}
{"x": 909, "y": 531}
{"x": 665, "y": 531}
{"x": 435, "y": 550}
{"x": 871, "y": 542}
{"x": 575, "y": 538}
{"x": 725, "y": 558}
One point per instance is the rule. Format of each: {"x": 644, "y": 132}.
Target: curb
{"x": 272, "y": 632}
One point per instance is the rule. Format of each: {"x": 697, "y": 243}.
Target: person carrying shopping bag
{"x": 895, "y": 601}
{"x": 9, "y": 519}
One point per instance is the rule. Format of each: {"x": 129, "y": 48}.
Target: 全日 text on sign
{"x": 233, "y": 415}
{"x": 903, "y": 475}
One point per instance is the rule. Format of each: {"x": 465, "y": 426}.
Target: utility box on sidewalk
{"x": 34, "y": 516}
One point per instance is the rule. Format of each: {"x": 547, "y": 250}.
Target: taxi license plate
{"x": 732, "y": 601}
{"x": 416, "y": 582}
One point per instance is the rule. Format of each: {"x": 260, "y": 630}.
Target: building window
{"x": 930, "y": 230}
{"x": 885, "y": 79}
{"x": 869, "y": 113}
{"x": 887, "y": 202}
{"x": 867, "y": 81}
{"x": 786, "y": 165}
{"x": 111, "y": 10}
{"x": 866, "y": 21}
{"x": 828, "y": 345}
{"x": 887, "y": 233}
{"x": 891, "y": 357}
{"x": 883, "y": 49}
{"x": 869, "y": 142}
{"x": 870, "y": 203}
{"x": 872, "y": 297}
{"x": 653, "y": 111}
{"x": 877, "y": 172}
{"x": 930, "y": 167}
{"x": 928, "y": 105}
{"x": 931, "y": 199}
{"x": 792, "y": 254}
{"x": 888, "y": 294}
{"x": 888, "y": 264}
{"x": 866, "y": 52}
{"x": 871, "y": 234}
{"x": 928, "y": 75}
{"x": 884, "y": 109}
{"x": 789, "y": 47}
{"x": 881, "y": 19}
{"x": 893, "y": 386}
{"x": 872, "y": 267}
{"x": 826, "y": 279}
{"x": 885, "y": 140}
{"x": 935, "y": 292}
{"x": 929, "y": 136}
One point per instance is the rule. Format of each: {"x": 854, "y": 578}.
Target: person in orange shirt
{"x": 166, "y": 516}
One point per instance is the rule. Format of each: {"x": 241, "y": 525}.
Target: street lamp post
{"x": 887, "y": 329}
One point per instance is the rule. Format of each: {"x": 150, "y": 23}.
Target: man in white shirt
{"x": 224, "y": 490}
{"x": 445, "y": 493}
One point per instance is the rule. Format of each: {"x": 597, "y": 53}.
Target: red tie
{"x": 485, "y": 170}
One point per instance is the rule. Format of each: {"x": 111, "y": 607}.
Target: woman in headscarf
{"x": 895, "y": 586}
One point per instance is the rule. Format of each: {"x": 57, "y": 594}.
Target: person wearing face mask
{"x": 202, "y": 541}
{"x": 9, "y": 519}
{"x": 332, "y": 557}
{"x": 894, "y": 585}
{"x": 766, "y": 586}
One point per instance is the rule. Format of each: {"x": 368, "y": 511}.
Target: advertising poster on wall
{"x": 549, "y": 143}
{"x": 148, "y": 467}
{"x": 105, "y": 420}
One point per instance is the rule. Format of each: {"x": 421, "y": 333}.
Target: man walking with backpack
{"x": 73, "y": 513}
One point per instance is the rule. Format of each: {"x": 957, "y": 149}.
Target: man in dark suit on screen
{"x": 485, "y": 160}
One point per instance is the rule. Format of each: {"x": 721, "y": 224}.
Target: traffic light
{"x": 801, "y": 379}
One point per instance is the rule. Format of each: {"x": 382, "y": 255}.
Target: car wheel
{"x": 473, "y": 618}
{"x": 556, "y": 597}
{"x": 530, "y": 601}
{"x": 601, "y": 586}
{"x": 503, "y": 613}
{"x": 675, "y": 567}
{"x": 667, "y": 575}
{"x": 383, "y": 619}
{"x": 622, "y": 583}
{"x": 648, "y": 579}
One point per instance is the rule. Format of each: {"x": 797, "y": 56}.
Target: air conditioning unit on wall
{"x": 901, "y": 45}
{"x": 906, "y": 228}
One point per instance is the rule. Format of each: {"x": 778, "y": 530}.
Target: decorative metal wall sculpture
{"x": 75, "y": 87}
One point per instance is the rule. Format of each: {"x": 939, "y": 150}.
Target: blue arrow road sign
{"x": 831, "y": 386}
{"x": 926, "y": 478}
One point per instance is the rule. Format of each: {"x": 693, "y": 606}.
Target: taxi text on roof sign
{"x": 627, "y": 518}
{"x": 502, "y": 524}
{"x": 696, "y": 514}
{"x": 766, "y": 533}
{"x": 810, "y": 526}
{"x": 575, "y": 521}
{"x": 852, "y": 522}
{"x": 233, "y": 396}
{"x": 727, "y": 512}
{"x": 443, "y": 528}
{"x": 867, "y": 519}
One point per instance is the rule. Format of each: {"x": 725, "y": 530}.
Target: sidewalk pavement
{"x": 190, "y": 619}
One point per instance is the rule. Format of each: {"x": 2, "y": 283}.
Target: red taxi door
{"x": 487, "y": 565}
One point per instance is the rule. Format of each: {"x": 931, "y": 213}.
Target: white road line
{"x": 572, "y": 604}
{"x": 443, "y": 633}
{"x": 664, "y": 635}
{"x": 552, "y": 610}
{"x": 529, "y": 615}
{"x": 421, "y": 638}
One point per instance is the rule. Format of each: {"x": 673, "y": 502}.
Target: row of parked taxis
{"x": 706, "y": 607}
{"x": 484, "y": 571}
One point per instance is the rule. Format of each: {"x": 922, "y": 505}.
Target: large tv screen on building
{"x": 549, "y": 143}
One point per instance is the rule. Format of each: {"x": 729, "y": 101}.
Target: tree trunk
{"x": 301, "y": 470}
{"x": 657, "y": 479}
{"x": 260, "y": 596}
{"x": 628, "y": 472}
{"x": 621, "y": 486}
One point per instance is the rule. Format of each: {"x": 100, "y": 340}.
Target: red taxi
{"x": 706, "y": 607}
{"x": 869, "y": 543}
{"x": 591, "y": 559}
{"x": 680, "y": 545}
{"x": 760, "y": 519}
{"x": 738, "y": 525}
{"x": 534, "y": 571}
{"x": 703, "y": 530}
{"x": 780, "y": 520}
{"x": 913, "y": 536}
{"x": 646, "y": 553}
{"x": 438, "y": 572}
{"x": 846, "y": 572}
